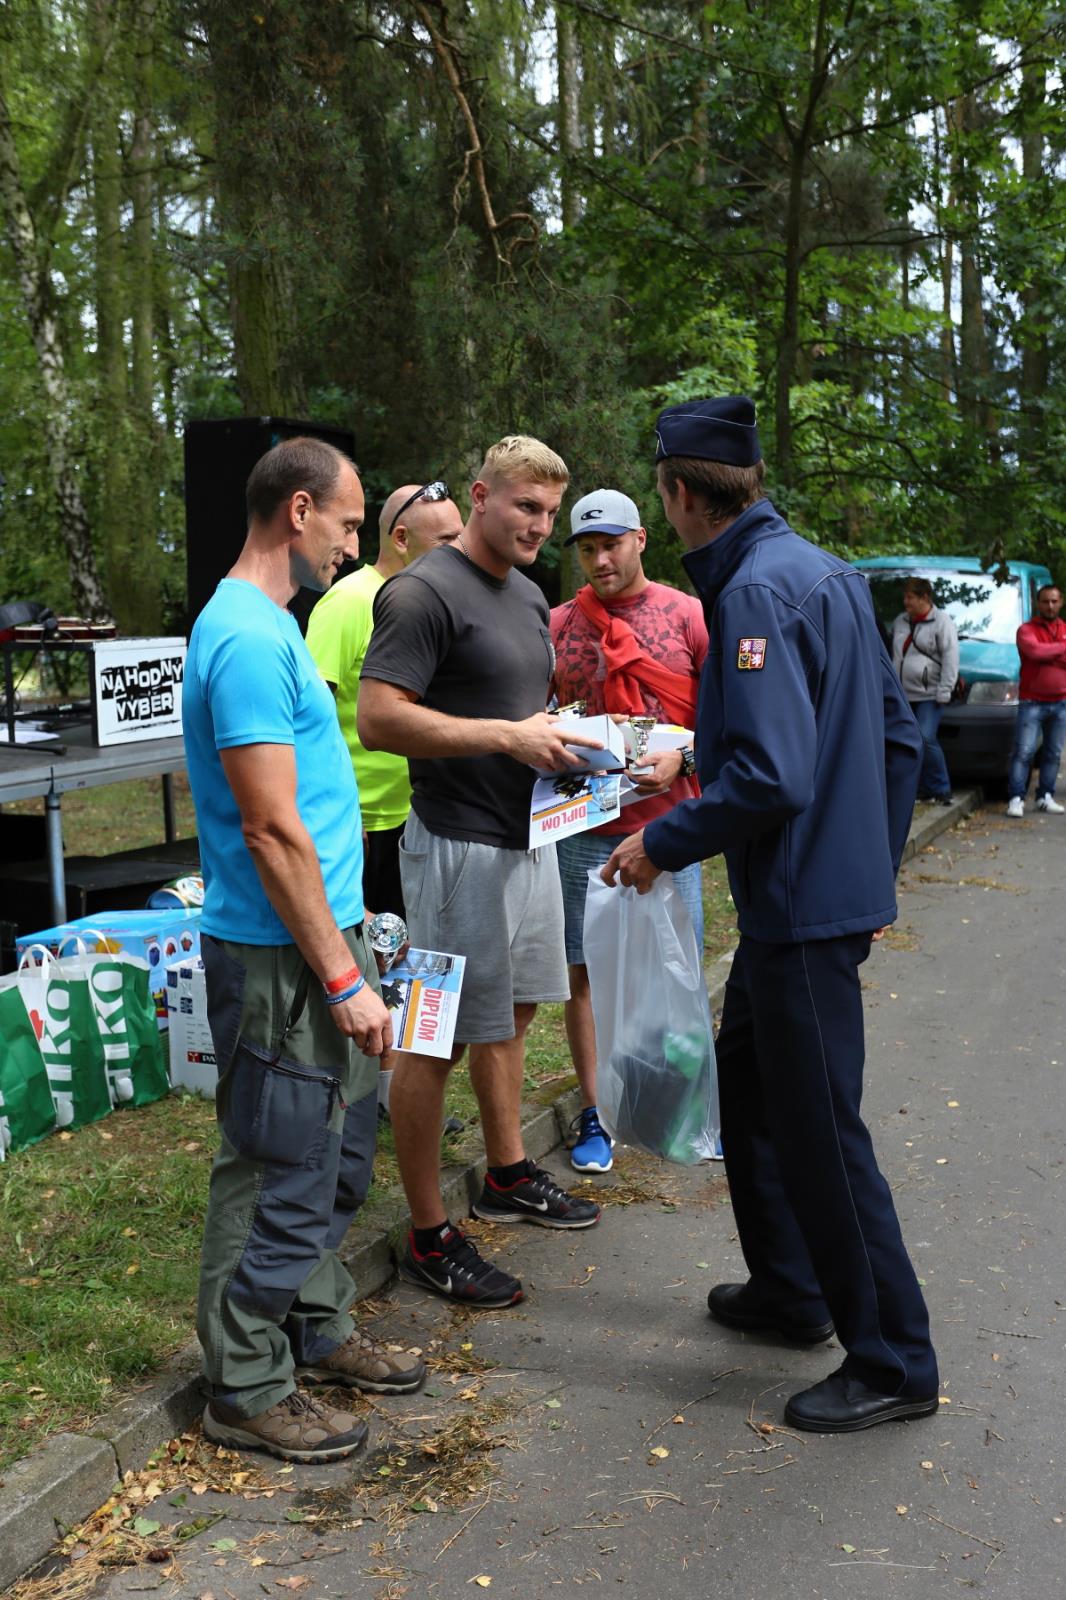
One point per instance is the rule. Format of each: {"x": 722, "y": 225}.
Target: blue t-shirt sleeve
{"x": 251, "y": 687}
{"x": 771, "y": 661}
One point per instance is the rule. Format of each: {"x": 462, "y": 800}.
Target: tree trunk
{"x": 247, "y": 67}
{"x": 1035, "y": 351}
{"x": 569, "y": 115}
{"x": 975, "y": 367}
{"x": 35, "y": 288}
{"x": 145, "y": 480}
{"x": 112, "y": 387}
{"x": 948, "y": 376}
{"x": 788, "y": 344}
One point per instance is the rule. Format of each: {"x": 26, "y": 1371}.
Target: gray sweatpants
{"x": 297, "y": 1113}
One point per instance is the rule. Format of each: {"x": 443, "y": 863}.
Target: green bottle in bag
{"x": 687, "y": 1055}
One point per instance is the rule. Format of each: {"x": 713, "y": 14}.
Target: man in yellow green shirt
{"x": 414, "y": 519}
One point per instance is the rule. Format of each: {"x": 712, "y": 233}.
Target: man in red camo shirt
{"x": 629, "y": 646}
{"x": 1042, "y": 704}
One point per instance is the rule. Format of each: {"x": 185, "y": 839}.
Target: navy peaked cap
{"x": 710, "y": 430}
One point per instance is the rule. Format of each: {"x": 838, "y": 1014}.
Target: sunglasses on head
{"x": 437, "y": 490}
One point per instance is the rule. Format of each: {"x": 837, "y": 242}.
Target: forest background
{"x": 435, "y": 223}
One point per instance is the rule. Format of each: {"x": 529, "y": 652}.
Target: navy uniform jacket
{"x": 807, "y": 751}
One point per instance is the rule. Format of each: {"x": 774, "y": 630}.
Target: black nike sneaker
{"x": 459, "y": 1272}
{"x": 535, "y": 1198}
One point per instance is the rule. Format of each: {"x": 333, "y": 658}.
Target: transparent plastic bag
{"x": 656, "y": 1080}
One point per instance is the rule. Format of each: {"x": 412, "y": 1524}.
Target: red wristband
{"x": 345, "y": 981}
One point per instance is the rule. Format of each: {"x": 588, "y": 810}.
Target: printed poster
{"x": 422, "y": 994}
{"x": 135, "y": 686}
{"x": 571, "y": 802}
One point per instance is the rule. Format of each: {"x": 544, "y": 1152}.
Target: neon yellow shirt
{"x": 337, "y": 636}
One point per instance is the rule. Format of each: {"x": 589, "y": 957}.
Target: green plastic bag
{"x": 26, "y": 1110}
{"x": 124, "y": 1015}
{"x": 60, "y": 1008}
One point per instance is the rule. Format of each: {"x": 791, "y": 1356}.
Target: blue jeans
{"x": 934, "y": 782}
{"x": 1035, "y": 717}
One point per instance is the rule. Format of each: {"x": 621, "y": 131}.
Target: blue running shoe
{"x": 592, "y": 1152}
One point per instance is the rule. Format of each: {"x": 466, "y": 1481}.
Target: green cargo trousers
{"x": 297, "y": 1114}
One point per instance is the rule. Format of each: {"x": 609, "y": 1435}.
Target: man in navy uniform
{"x": 808, "y": 757}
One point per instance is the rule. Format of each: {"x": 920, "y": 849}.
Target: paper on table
{"x": 28, "y": 733}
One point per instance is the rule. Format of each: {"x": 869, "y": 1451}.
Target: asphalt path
{"x": 607, "y": 1434}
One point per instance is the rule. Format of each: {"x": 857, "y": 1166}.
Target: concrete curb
{"x": 64, "y": 1481}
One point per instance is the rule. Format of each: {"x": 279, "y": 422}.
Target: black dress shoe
{"x": 842, "y": 1404}
{"x": 731, "y": 1303}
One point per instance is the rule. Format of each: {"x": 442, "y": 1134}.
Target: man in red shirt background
{"x": 630, "y": 646}
{"x": 1042, "y": 704}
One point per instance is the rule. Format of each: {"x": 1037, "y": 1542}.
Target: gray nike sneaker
{"x": 535, "y": 1198}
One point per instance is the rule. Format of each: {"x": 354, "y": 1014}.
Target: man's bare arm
{"x": 392, "y": 718}
{"x": 263, "y": 780}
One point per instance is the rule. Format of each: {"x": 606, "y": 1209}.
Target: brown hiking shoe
{"x": 299, "y": 1428}
{"x": 362, "y": 1362}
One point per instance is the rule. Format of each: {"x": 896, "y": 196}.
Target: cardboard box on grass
{"x": 192, "y": 1050}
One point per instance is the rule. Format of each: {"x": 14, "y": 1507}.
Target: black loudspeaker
{"x": 219, "y": 455}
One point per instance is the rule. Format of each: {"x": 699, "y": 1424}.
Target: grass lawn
{"x": 98, "y": 1282}
{"x": 118, "y": 816}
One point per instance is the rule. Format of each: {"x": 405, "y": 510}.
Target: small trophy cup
{"x": 387, "y": 934}
{"x": 642, "y": 731}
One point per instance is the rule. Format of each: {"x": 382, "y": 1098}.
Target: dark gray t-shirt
{"x": 469, "y": 645}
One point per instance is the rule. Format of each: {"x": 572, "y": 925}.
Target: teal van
{"x": 976, "y": 732}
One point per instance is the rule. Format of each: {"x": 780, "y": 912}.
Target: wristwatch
{"x": 688, "y": 761}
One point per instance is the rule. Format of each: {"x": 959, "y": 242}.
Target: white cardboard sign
{"x": 136, "y": 689}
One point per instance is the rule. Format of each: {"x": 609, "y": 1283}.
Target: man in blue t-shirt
{"x": 293, "y": 994}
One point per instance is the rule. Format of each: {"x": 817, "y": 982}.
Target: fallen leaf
{"x": 469, "y": 1346}
{"x": 145, "y": 1527}
{"x": 258, "y": 1561}
{"x": 131, "y": 1269}
{"x": 660, "y": 1451}
{"x": 223, "y": 1545}
{"x": 293, "y": 1583}
{"x": 703, "y": 1265}
{"x": 129, "y": 1233}
{"x": 192, "y": 1145}
{"x": 901, "y": 1511}
{"x": 927, "y": 1466}
{"x": 953, "y": 1105}
{"x": 483, "y": 1580}
{"x": 468, "y": 1394}
{"x": 553, "y": 1405}
{"x": 678, "y": 1418}
{"x": 66, "y": 1136}
{"x": 107, "y": 1136}
{"x": 941, "y": 1161}
{"x": 848, "y": 1549}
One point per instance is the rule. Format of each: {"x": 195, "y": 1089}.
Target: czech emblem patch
{"x": 751, "y": 655}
